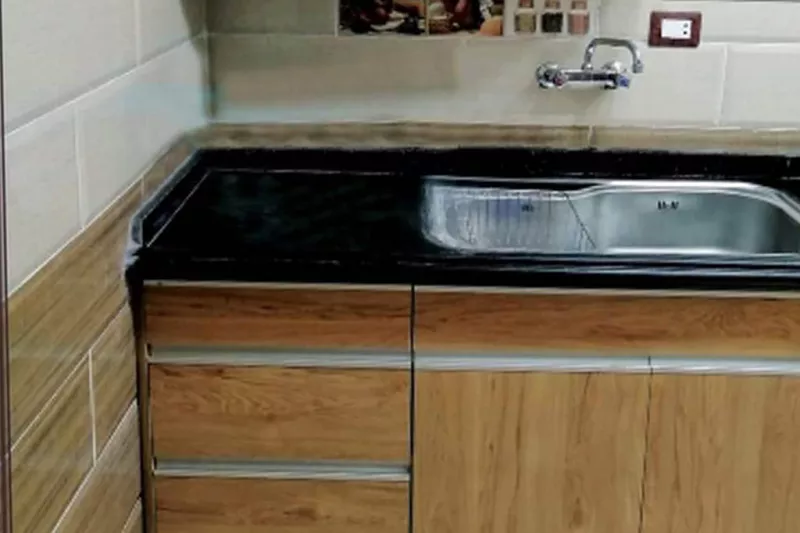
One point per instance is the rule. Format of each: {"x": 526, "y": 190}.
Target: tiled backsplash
{"x": 95, "y": 91}
{"x": 282, "y": 60}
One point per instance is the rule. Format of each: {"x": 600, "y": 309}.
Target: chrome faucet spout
{"x": 612, "y": 75}
{"x": 637, "y": 66}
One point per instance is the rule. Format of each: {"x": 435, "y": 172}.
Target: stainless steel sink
{"x": 616, "y": 217}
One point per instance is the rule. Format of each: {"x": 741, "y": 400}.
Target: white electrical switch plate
{"x": 676, "y": 29}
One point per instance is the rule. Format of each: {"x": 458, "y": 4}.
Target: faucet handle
{"x": 550, "y": 75}
{"x": 624, "y": 81}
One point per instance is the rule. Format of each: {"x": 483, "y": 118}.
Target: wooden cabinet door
{"x": 723, "y": 455}
{"x": 251, "y": 505}
{"x": 525, "y": 452}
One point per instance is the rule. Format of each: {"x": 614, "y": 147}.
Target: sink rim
{"x": 777, "y": 199}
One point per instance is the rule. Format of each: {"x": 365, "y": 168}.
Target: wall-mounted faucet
{"x": 610, "y": 76}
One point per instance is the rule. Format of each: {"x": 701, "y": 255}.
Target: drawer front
{"x": 696, "y": 325}
{"x": 300, "y": 317}
{"x": 219, "y": 505}
{"x": 274, "y": 413}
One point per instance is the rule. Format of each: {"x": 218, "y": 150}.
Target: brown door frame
{"x": 5, "y": 444}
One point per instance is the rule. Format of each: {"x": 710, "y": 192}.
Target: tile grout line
{"x": 58, "y": 390}
{"x": 74, "y": 238}
{"x": 92, "y": 399}
{"x": 87, "y": 478}
{"x": 100, "y": 84}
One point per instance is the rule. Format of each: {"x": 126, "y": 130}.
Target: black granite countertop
{"x": 353, "y": 216}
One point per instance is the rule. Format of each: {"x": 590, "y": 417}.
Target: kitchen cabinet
{"x": 517, "y": 452}
{"x": 604, "y": 323}
{"x": 278, "y": 413}
{"x": 276, "y": 408}
{"x": 723, "y": 455}
{"x": 300, "y": 408}
{"x": 229, "y": 505}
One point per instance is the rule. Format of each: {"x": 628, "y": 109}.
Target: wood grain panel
{"x": 134, "y": 524}
{"x": 292, "y": 317}
{"x": 57, "y": 315}
{"x": 525, "y": 452}
{"x": 196, "y": 505}
{"x": 163, "y": 168}
{"x": 114, "y": 374}
{"x": 280, "y": 413}
{"x": 723, "y": 455}
{"x": 104, "y": 503}
{"x": 497, "y": 322}
{"x": 51, "y": 459}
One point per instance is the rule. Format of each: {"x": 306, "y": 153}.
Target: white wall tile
{"x": 286, "y": 78}
{"x": 723, "y": 21}
{"x": 677, "y": 88}
{"x": 741, "y": 21}
{"x": 165, "y": 23}
{"x": 42, "y": 192}
{"x": 123, "y": 126}
{"x": 112, "y": 141}
{"x": 761, "y": 87}
{"x": 273, "y": 16}
{"x": 55, "y": 50}
{"x": 177, "y": 81}
{"x": 291, "y": 77}
{"x": 626, "y": 18}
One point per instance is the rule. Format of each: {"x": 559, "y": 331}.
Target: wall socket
{"x": 677, "y": 29}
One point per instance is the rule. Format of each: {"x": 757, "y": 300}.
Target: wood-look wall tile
{"x": 135, "y": 523}
{"x": 49, "y": 462}
{"x": 394, "y": 134}
{"x": 104, "y": 503}
{"x": 114, "y": 374}
{"x": 58, "y": 315}
{"x": 165, "y": 166}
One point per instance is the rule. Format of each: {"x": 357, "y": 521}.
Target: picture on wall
{"x": 419, "y": 17}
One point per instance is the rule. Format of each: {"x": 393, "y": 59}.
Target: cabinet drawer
{"x": 295, "y": 316}
{"x": 218, "y": 505}
{"x": 275, "y": 413}
{"x": 693, "y": 325}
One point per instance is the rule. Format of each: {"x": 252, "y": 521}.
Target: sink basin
{"x": 695, "y": 218}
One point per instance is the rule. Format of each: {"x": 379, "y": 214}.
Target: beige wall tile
{"x": 177, "y": 82}
{"x": 287, "y": 79}
{"x": 53, "y": 51}
{"x": 114, "y": 374}
{"x": 273, "y": 16}
{"x": 624, "y": 18}
{"x": 677, "y": 88}
{"x": 761, "y": 88}
{"x": 49, "y": 461}
{"x": 125, "y": 125}
{"x": 497, "y": 83}
{"x": 165, "y": 23}
{"x": 42, "y": 192}
{"x": 113, "y": 139}
{"x": 104, "y": 502}
{"x": 295, "y": 78}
